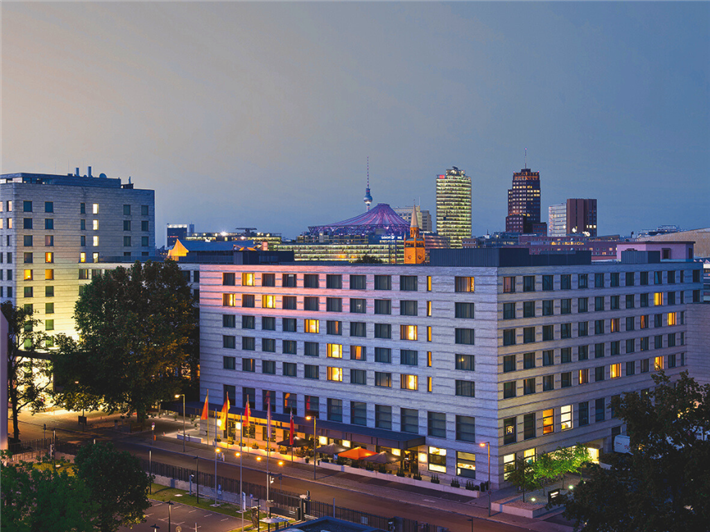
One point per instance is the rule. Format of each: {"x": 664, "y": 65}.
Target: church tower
{"x": 414, "y": 250}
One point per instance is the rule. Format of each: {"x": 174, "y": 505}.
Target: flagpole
{"x": 268, "y": 446}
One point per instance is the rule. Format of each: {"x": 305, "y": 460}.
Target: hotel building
{"x": 524, "y": 204}
{"x": 483, "y": 345}
{"x": 52, "y": 227}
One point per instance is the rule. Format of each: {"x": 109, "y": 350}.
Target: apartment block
{"x": 428, "y": 361}
{"x": 52, "y": 227}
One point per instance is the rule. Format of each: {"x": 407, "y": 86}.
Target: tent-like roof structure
{"x": 382, "y": 219}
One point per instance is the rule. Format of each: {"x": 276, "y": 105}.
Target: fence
{"x": 286, "y": 503}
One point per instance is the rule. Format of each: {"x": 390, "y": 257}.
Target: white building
{"x": 424, "y": 219}
{"x": 557, "y": 221}
{"x": 481, "y": 345}
{"x": 53, "y": 226}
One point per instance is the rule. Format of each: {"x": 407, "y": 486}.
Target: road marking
{"x": 191, "y": 511}
{"x": 225, "y": 519}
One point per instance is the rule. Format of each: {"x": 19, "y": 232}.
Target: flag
{"x": 246, "y": 412}
{"x": 206, "y": 408}
{"x": 268, "y": 417}
{"x": 291, "y": 431}
{"x": 225, "y": 411}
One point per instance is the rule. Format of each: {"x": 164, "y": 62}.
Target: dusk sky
{"x": 263, "y": 114}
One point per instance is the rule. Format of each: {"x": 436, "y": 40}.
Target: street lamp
{"x": 488, "y": 445}
{"x": 177, "y": 396}
{"x": 197, "y": 479}
{"x": 170, "y": 515}
{"x": 155, "y": 527}
{"x": 314, "y": 444}
{"x": 216, "y": 453}
{"x": 239, "y": 454}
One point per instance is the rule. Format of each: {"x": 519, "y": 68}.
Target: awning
{"x": 382, "y": 458}
{"x": 358, "y": 453}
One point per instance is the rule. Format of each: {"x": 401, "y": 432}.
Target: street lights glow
{"x": 308, "y": 418}
{"x": 488, "y": 445}
{"x": 177, "y": 396}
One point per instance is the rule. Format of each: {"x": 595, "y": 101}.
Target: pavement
{"x": 387, "y": 492}
{"x": 188, "y": 518}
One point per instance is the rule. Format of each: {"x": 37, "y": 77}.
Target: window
{"x": 268, "y": 367}
{"x": 310, "y": 280}
{"x": 548, "y": 332}
{"x": 671, "y": 298}
{"x": 468, "y": 362}
{"x": 229, "y": 342}
{"x": 310, "y": 349}
{"x": 598, "y": 280}
{"x": 528, "y": 360}
{"x": 228, "y": 279}
{"x": 248, "y": 301}
{"x": 383, "y": 306}
{"x": 508, "y": 363}
{"x": 49, "y": 223}
{"x": 565, "y": 380}
{"x": 599, "y": 374}
{"x": 509, "y": 337}
{"x": 334, "y": 350}
{"x": 268, "y": 301}
{"x": 268, "y": 345}
{"x": 83, "y": 273}
{"x": 249, "y": 365}
{"x": 548, "y": 283}
{"x": 358, "y": 413}
{"x": 248, "y": 279}
{"x": 408, "y": 308}
{"x": 408, "y": 283}
{"x": 310, "y": 303}
{"x": 334, "y": 281}
{"x": 566, "y": 282}
{"x": 644, "y": 344}
{"x": 49, "y": 241}
{"x": 28, "y": 291}
{"x": 614, "y": 279}
{"x": 311, "y": 326}
{"x": 26, "y": 206}
{"x": 358, "y": 376}
{"x": 464, "y": 284}
{"x": 289, "y": 280}
{"x": 383, "y": 354}
{"x": 529, "y": 309}
{"x": 508, "y": 311}
{"x": 615, "y": 348}
{"x": 548, "y": 307}
{"x": 49, "y": 326}
{"x": 583, "y": 414}
{"x": 671, "y": 340}
{"x": 464, "y": 336}
{"x": 658, "y": 363}
{"x": 127, "y": 241}
{"x": 565, "y": 306}
{"x": 268, "y": 323}
{"x": 599, "y": 409}
{"x": 565, "y": 355}
{"x": 95, "y": 225}
{"x": 289, "y": 324}
{"x": 27, "y": 241}
{"x": 465, "y": 389}
{"x": 566, "y": 330}
{"x": 28, "y": 258}
{"x": 548, "y": 421}
{"x": 145, "y": 225}
{"x": 508, "y": 285}
{"x": 630, "y": 323}
{"x": 436, "y": 424}
{"x": 583, "y": 376}
{"x": 528, "y": 426}
{"x": 408, "y": 382}
{"x": 228, "y": 363}
{"x": 358, "y": 352}
{"x": 383, "y": 282}
{"x": 48, "y": 291}
{"x": 658, "y": 320}
{"x": 383, "y": 330}
{"x": 583, "y": 280}
{"x": 383, "y": 417}
{"x": 657, "y": 277}
{"x": 528, "y": 283}
{"x": 566, "y": 417}
{"x": 528, "y": 386}
{"x": 408, "y": 332}
{"x": 509, "y": 431}
{"x": 548, "y": 358}
{"x": 408, "y": 357}
{"x": 383, "y": 380}
{"x": 289, "y": 347}
{"x": 248, "y": 343}
{"x": 509, "y": 389}
{"x": 311, "y": 372}
{"x": 671, "y": 361}
{"x": 335, "y": 410}
{"x": 358, "y": 306}
{"x": 583, "y": 352}
{"x": 599, "y": 327}
{"x": 630, "y": 345}
{"x": 358, "y": 329}
{"x": 465, "y": 310}
{"x": 358, "y": 282}
{"x": 583, "y": 328}
{"x": 615, "y": 371}
{"x": 289, "y": 303}
{"x": 643, "y": 300}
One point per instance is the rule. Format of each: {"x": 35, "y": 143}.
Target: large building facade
{"x": 524, "y": 204}
{"x": 489, "y": 345}
{"x": 52, "y": 227}
{"x": 453, "y": 206}
{"x": 557, "y": 220}
{"x": 581, "y": 216}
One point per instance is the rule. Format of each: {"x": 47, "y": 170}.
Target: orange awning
{"x": 358, "y": 453}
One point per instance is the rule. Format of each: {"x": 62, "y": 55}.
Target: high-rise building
{"x": 453, "y": 206}
{"x": 53, "y": 226}
{"x": 178, "y": 231}
{"x": 423, "y": 218}
{"x": 581, "y": 216}
{"x": 557, "y": 221}
{"x": 524, "y": 204}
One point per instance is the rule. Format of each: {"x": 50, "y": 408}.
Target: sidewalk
{"x": 461, "y": 504}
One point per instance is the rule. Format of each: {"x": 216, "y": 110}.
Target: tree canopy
{"x": 138, "y": 344}
{"x": 664, "y": 484}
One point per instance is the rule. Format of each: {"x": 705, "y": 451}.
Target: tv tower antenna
{"x": 526, "y": 158}
{"x": 368, "y": 196}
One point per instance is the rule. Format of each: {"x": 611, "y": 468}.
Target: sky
{"x": 263, "y": 114}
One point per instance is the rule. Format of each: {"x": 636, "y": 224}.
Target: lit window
{"x": 268, "y": 301}
{"x": 428, "y": 283}
{"x": 49, "y": 275}
{"x": 429, "y": 384}
{"x": 428, "y": 308}
{"x": 95, "y": 225}
{"x": 49, "y": 257}
{"x": 82, "y": 257}
{"x": 658, "y": 299}
{"x": 335, "y": 374}
{"x": 95, "y": 208}
{"x": 408, "y": 332}
{"x": 28, "y": 275}
{"x": 428, "y": 334}
{"x": 615, "y": 371}
{"x": 409, "y": 382}
{"x": 658, "y": 363}
{"x": 614, "y": 322}
{"x": 95, "y": 257}
{"x": 311, "y": 326}
{"x": 229, "y": 300}
{"x": 583, "y": 376}
{"x": 464, "y": 284}
{"x": 672, "y": 317}
{"x": 247, "y": 279}
{"x": 566, "y": 417}
{"x": 335, "y": 351}
{"x": 548, "y": 420}
{"x": 437, "y": 459}
{"x": 96, "y": 241}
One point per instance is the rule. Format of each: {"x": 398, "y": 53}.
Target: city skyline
{"x": 263, "y": 115}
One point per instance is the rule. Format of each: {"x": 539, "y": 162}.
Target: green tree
{"x": 137, "y": 340}
{"x": 29, "y": 374}
{"x": 664, "y": 484}
{"x": 552, "y": 467}
{"x": 38, "y": 498}
{"x": 523, "y": 476}
{"x": 367, "y": 259}
{"x": 118, "y": 485}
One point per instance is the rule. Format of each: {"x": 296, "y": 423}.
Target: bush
{"x": 455, "y": 483}
{"x": 470, "y": 486}
{"x": 400, "y": 473}
{"x": 417, "y": 476}
{"x": 435, "y": 479}
{"x": 255, "y": 446}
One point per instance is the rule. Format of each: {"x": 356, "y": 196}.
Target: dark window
{"x": 228, "y": 279}
{"x": 383, "y": 306}
{"x": 358, "y": 376}
{"x": 565, "y": 355}
{"x": 599, "y": 327}
{"x": 630, "y": 368}
{"x": 508, "y": 363}
{"x": 248, "y": 322}
{"x": 614, "y": 303}
{"x": 383, "y": 417}
{"x": 583, "y": 304}
{"x": 408, "y": 283}
{"x": 630, "y": 278}
{"x": 583, "y": 281}
{"x": 228, "y": 362}
{"x": 310, "y": 349}
{"x": 334, "y": 327}
{"x": 383, "y": 330}
{"x": 268, "y": 345}
{"x": 614, "y": 279}
{"x": 509, "y": 389}
{"x": 358, "y": 329}
{"x": 268, "y": 279}
{"x": 408, "y": 357}
{"x": 383, "y": 354}
{"x": 289, "y": 347}
{"x": 268, "y": 323}
{"x": 465, "y": 310}
{"x": 583, "y": 328}
{"x": 335, "y": 410}
{"x": 249, "y": 365}
{"x": 566, "y": 282}
{"x": 528, "y": 426}
{"x": 548, "y": 357}
{"x": 465, "y": 336}
{"x": 528, "y": 360}
{"x": 466, "y": 428}
{"x": 358, "y": 282}
{"x": 565, "y": 380}
{"x": 288, "y": 280}
{"x": 509, "y": 431}
{"x": 27, "y": 241}
{"x": 565, "y": 330}
{"x": 630, "y": 345}
{"x": 529, "y": 309}
{"x": 310, "y": 303}
{"x": 548, "y": 383}
{"x": 334, "y": 281}
{"x": 565, "y": 306}
{"x": 583, "y": 352}
{"x": 657, "y": 277}
{"x": 383, "y": 282}
{"x": 548, "y": 283}
{"x": 268, "y": 367}
{"x": 358, "y": 413}
{"x": 358, "y": 306}
{"x": 49, "y": 223}
{"x": 599, "y": 409}
{"x": 248, "y": 343}
{"x": 408, "y": 308}
{"x": 436, "y": 424}
{"x": 289, "y": 324}
{"x": 311, "y": 372}
{"x": 583, "y": 414}
{"x": 598, "y": 280}
{"x": 658, "y": 320}
{"x": 528, "y": 283}
{"x": 643, "y": 278}
{"x": 548, "y": 332}
{"x": 229, "y": 342}
{"x": 409, "y": 420}
{"x": 247, "y": 301}
{"x": 528, "y": 386}
{"x": 548, "y": 307}
{"x": 599, "y": 374}
{"x": 465, "y": 389}
{"x": 508, "y": 311}
{"x": 383, "y": 380}
{"x": 310, "y": 280}
{"x": 509, "y": 337}
{"x": 289, "y": 303}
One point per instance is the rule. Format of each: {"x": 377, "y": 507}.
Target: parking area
{"x": 188, "y": 518}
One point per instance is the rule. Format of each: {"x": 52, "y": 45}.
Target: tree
{"x": 29, "y": 376}
{"x": 552, "y": 467}
{"x": 118, "y": 485}
{"x": 664, "y": 484}
{"x": 523, "y": 476}
{"x": 37, "y": 497}
{"x": 137, "y": 340}
{"x": 367, "y": 259}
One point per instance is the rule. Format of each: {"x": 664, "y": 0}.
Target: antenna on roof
{"x": 368, "y": 196}
{"x": 526, "y": 158}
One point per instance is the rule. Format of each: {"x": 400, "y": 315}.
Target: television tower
{"x": 368, "y": 196}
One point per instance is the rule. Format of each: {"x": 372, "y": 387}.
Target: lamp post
{"x": 197, "y": 479}
{"x": 314, "y": 444}
{"x": 155, "y": 527}
{"x": 150, "y": 468}
{"x": 488, "y": 445}
{"x": 239, "y": 454}
{"x": 177, "y": 396}
{"x": 216, "y": 453}
{"x": 170, "y": 515}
